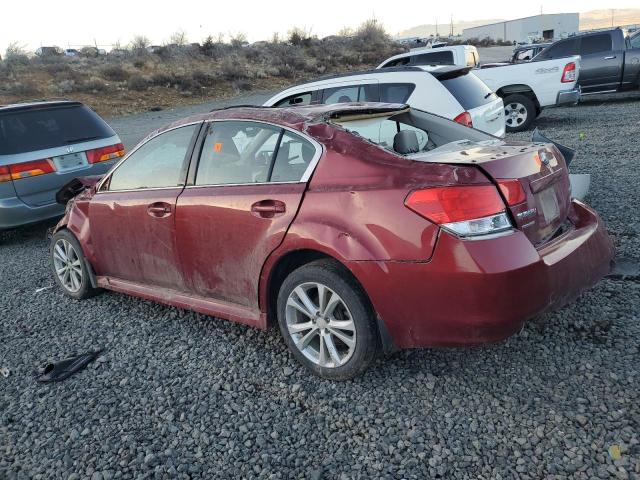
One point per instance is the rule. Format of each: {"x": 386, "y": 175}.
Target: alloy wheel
{"x": 67, "y": 264}
{"x": 320, "y": 325}
{"x": 515, "y": 114}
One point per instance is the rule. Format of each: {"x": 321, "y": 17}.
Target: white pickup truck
{"x": 525, "y": 88}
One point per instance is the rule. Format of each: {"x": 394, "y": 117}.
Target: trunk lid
{"x": 539, "y": 168}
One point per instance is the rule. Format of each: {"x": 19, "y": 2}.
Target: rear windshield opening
{"x": 469, "y": 91}
{"x": 429, "y": 131}
{"x": 38, "y": 129}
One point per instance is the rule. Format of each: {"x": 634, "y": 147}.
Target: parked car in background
{"x": 526, "y": 89}
{"x": 609, "y": 59}
{"x": 461, "y": 55}
{"x": 49, "y": 52}
{"x": 452, "y": 92}
{"x": 354, "y": 227}
{"x": 524, "y": 53}
{"x": 43, "y": 146}
{"x": 71, "y": 52}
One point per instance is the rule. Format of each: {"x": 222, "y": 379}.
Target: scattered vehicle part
{"x": 354, "y": 227}
{"x": 625, "y": 268}
{"x": 42, "y": 289}
{"x": 5, "y": 372}
{"x": 63, "y": 369}
{"x": 609, "y": 59}
{"x": 43, "y": 146}
{"x": 568, "y": 153}
{"x": 580, "y": 183}
{"x": 450, "y": 91}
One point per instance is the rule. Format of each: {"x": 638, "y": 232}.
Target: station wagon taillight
{"x": 512, "y": 191}
{"x": 463, "y": 210}
{"x": 569, "y": 73}
{"x": 22, "y": 170}
{"x": 464, "y": 119}
{"x": 105, "y": 153}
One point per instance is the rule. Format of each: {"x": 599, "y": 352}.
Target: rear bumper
{"x": 15, "y": 213}
{"x": 569, "y": 97}
{"x": 482, "y": 291}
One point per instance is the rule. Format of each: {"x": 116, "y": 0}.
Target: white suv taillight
{"x": 569, "y": 73}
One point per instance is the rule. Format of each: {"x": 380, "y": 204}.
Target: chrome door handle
{"x": 610, "y": 57}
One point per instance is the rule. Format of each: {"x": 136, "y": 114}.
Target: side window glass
{"x": 561, "y": 49}
{"x": 595, "y": 44}
{"x": 297, "y": 100}
{"x": 396, "y": 92}
{"x": 340, "y": 95}
{"x": 635, "y": 41}
{"x": 236, "y": 152}
{"x": 294, "y": 156}
{"x": 400, "y": 62}
{"x": 158, "y": 163}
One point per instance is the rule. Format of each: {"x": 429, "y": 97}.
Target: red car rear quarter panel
{"x": 474, "y": 292}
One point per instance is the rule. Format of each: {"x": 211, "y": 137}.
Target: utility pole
{"x": 612, "y": 10}
{"x": 436, "y": 28}
{"x": 451, "y": 29}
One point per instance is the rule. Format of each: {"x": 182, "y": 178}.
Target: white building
{"x": 546, "y": 26}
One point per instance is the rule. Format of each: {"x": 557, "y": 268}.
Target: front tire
{"x": 327, "y": 321}
{"x": 70, "y": 268}
{"x": 519, "y": 112}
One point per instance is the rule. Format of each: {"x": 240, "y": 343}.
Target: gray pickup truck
{"x": 610, "y": 59}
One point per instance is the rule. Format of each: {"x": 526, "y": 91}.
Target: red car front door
{"x": 249, "y": 183}
{"x": 133, "y": 214}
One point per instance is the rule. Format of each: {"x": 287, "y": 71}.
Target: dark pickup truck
{"x": 610, "y": 59}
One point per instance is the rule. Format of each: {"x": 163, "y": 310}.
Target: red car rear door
{"x": 133, "y": 213}
{"x": 245, "y": 192}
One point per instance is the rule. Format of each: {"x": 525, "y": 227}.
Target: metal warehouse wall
{"x": 521, "y": 29}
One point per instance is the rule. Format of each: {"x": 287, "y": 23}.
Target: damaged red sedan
{"x": 357, "y": 228}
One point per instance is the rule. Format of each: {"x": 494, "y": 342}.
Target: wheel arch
{"x": 293, "y": 259}
{"x": 521, "y": 89}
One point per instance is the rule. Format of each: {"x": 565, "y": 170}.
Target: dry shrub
{"x": 233, "y": 68}
{"x": 138, "y": 83}
{"x": 24, "y": 88}
{"x": 115, "y": 73}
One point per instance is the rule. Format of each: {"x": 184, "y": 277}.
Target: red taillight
{"x": 569, "y": 73}
{"x": 5, "y": 174}
{"x": 105, "y": 153}
{"x": 27, "y": 169}
{"x": 455, "y": 204}
{"x": 512, "y": 191}
{"x": 464, "y": 119}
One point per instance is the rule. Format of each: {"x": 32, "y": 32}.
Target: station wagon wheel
{"x": 327, "y": 321}
{"x": 70, "y": 268}
{"x": 320, "y": 325}
{"x": 519, "y": 112}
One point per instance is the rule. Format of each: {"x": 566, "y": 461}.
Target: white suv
{"x": 448, "y": 91}
{"x": 461, "y": 55}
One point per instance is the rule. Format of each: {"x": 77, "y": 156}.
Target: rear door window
{"x": 591, "y": 44}
{"x": 396, "y": 92}
{"x": 469, "y": 91}
{"x": 293, "y": 158}
{"x": 563, "y": 48}
{"x": 38, "y": 129}
{"x": 433, "y": 58}
{"x": 398, "y": 62}
{"x": 351, "y": 93}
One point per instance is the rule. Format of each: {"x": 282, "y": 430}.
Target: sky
{"x": 80, "y": 22}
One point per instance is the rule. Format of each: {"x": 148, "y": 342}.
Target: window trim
{"x": 304, "y": 179}
{"x": 183, "y": 170}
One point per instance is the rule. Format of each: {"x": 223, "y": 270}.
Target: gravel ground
{"x": 177, "y": 394}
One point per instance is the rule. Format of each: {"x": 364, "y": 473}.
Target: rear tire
{"x": 519, "y": 112}
{"x": 327, "y": 321}
{"x": 70, "y": 267}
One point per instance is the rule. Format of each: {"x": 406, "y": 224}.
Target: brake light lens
{"x": 512, "y": 191}
{"x": 105, "y": 153}
{"x": 5, "y": 175}
{"x": 18, "y": 171}
{"x": 464, "y": 119}
{"x": 465, "y": 211}
{"x": 569, "y": 73}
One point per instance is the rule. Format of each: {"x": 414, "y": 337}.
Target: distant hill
{"x": 443, "y": 28}
{"x": 588, "y": 20}
{"x": 602, "y": 18}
